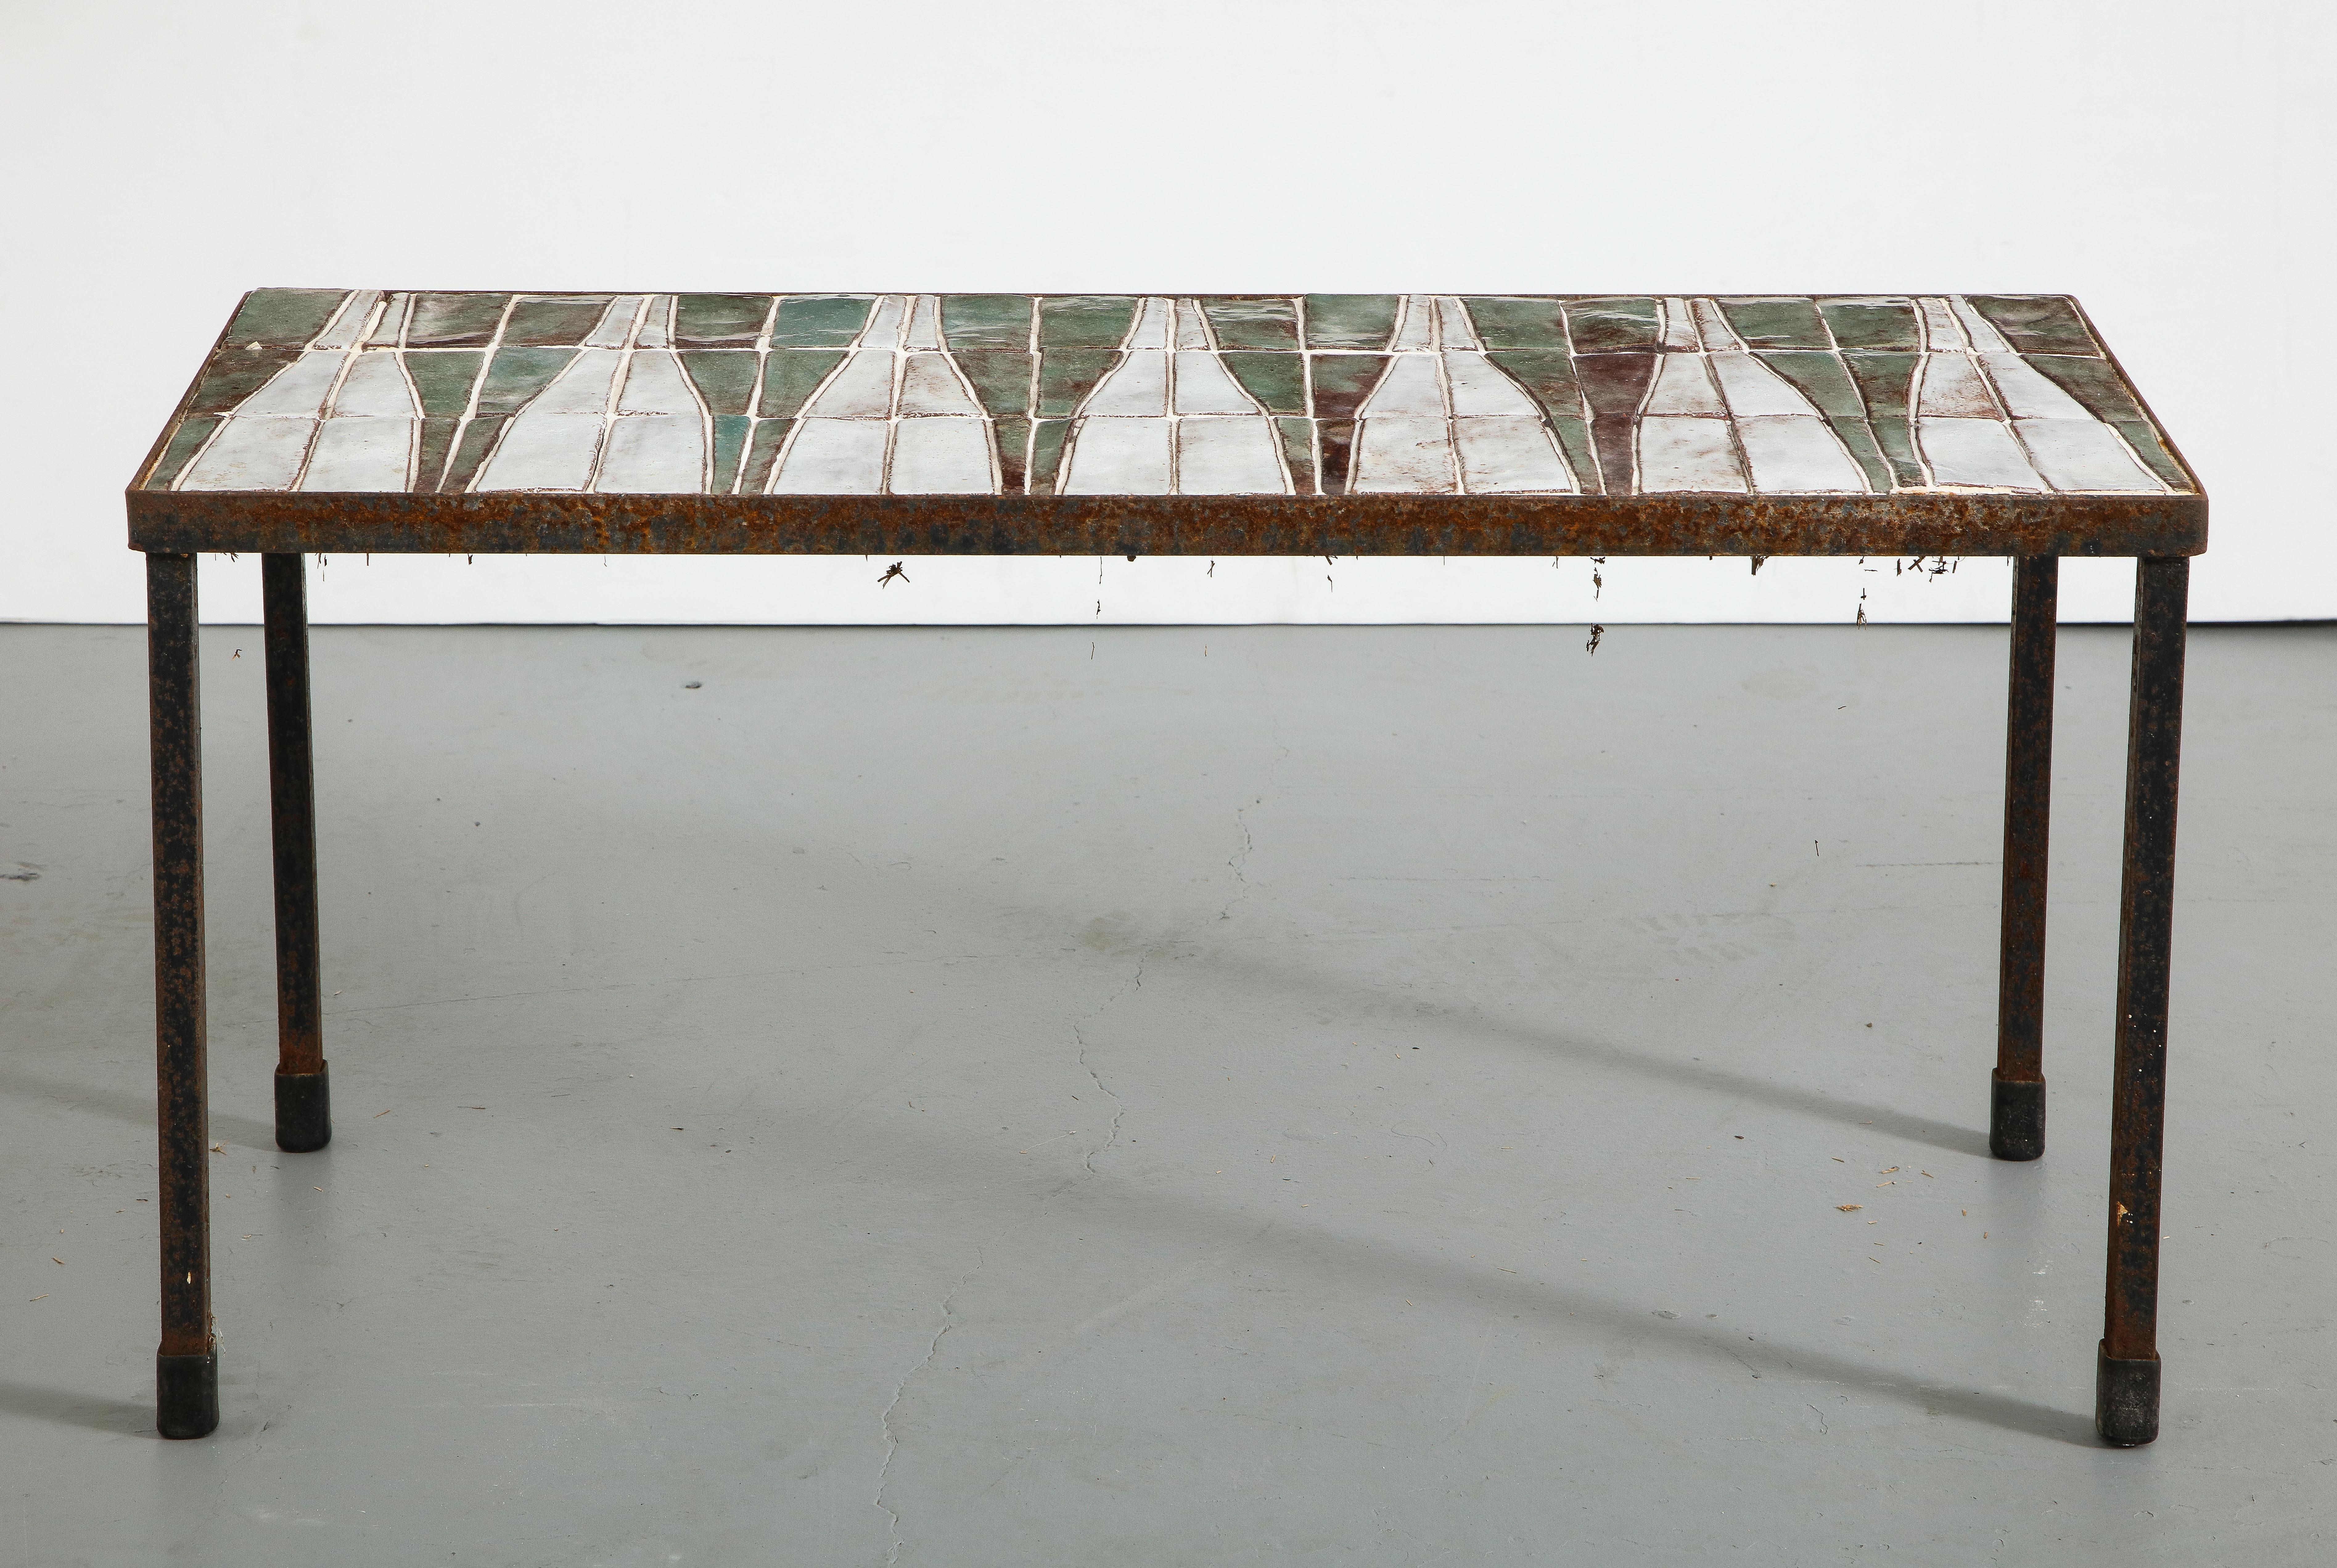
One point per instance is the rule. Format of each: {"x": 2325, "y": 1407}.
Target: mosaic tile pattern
{"x": 1111, "y": 395}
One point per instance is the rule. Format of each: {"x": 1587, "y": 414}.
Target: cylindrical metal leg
{"x": 2016, "y": 1122}
{"x": 2126, "y": 1390}
{"x": 303, "y": 1099}
{"x": 186, "y": 1364}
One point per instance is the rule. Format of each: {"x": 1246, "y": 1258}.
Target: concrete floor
{"x": 1341, "y": 1095}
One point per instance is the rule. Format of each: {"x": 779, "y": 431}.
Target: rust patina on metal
{"x": 525, "y": 523}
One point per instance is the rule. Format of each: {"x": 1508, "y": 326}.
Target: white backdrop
{"x": 2168, "y": 163}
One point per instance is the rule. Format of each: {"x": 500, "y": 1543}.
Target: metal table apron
{"x": 364, "y": 420}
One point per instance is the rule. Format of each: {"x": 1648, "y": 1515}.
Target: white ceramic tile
{"x": 834, "y": 456}
{"x": 1118, "y": 457}
{"x": 1415, "y": 323}
{"x": 299, "y": 390}
{"x": 1453, "y": 328}
{"x": 925, "y": 328}
{"x": 1504, "y": 454}
{"x": 1985, "y": 339}
{"x": 615, "y": 328}
{"x": 1943, "y": 332}
{"x": 1713, "y": 326}
{"x": 1193, "y": 327}
{"x": 362, "y": 453}
{"x": 1136, "y": 385}
{"x": 1677, "y": 324}
{"x": 1797, "y": 455}
{"x": 542, "y": 451}
{"x": 1399, "y": 454}
{"x": 1684, "y": 386}
{"x": 654, "y": 453}
{"x": 654, "y": 384}
{"x": 389, "y": 328}
{"x": 376, "y": 386}
{"x": 1229, "y": 456}
{"x": 1951, "y": 388}
{"x": 1410, "y": 386}
{"x": 1154, "y": 326}
{"x": 251, "y": 455}
{"x": 1753, "y": 389}
{"x": 1479, "y": 386}
{"x": 2028, "y": 392}
{"x": 1203, "y": 385}
{"x": 1679, "y": 453}
{"x": 1980, "y": 453}
{"x": 859, "y": 388}
{"x": 945, "y": 457}
{"x": 2084, "y": 454}
{"x": 931, "y": 384}
{"x": 348, "y": 324}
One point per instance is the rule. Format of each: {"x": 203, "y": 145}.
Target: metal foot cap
{"x": 2125, "y": 1400}
{"x": 2016, "y": 1118}
{"x": 186, "y": 1394}
{"x": 304, "y": 1111}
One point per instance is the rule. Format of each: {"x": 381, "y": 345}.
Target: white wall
{"x": 2168, "y": 163}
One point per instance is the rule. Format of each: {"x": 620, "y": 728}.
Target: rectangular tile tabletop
{"x": 364, "y": 419}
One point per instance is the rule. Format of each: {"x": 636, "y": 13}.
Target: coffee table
{"x": 366, "y": 420}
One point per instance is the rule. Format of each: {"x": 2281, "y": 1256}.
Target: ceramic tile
{"x": 1264, "y": 324}
{"x": 454, "y": 321}
{"x": 2037, "y": 323}
{"x": 987, "y": 320}
{"x": 711, "y": 321}
{"x": 283, "y": 318}
{"x": 808, "y": 394}
{"x": 820, "y": 320}
{"x": 557, "y": 321}
{"x": 1349, "y": 320}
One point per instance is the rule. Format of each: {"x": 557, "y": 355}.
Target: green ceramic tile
{"x": 791, "y": 375}
{"x": 1013, "y": 437}
{"x": 725, "y": 378}
{"x": 1002, "y": 379}
{"x": 1342, "y": 381}
{"x": 234, "y": 375}
{"x": 1822, "y": 381}
{"x": 1350, "y": 320}
{"x": 517, "y": 374}
{"x": 1085, "y": 320}
{"x": 1299, "y": 451}
{"x": 283, "y": 318}
{"x": 1599, "y": 326}
{"x": 1771, "y": 323}
{"x": 565, "y": 320}
{"x": 443, "y": 378}
{"x": 477, "y": 438}
{"x": 453, "y": 320}
{"x": 1858, "y": 439}
{"x": 1574, "y": 440}
{"x": 731, "y": 432}
{"x": 1547, "y": 373}
{"x": 700, "y": 319}
{"x": 185, "y": 441}
{"x": 763, "y": 452}
{"x": 1277, "y": 380}
{"x": 2153, "y": 452}
{"x": 986, "y": 320}
{"x": 438, "y": 441}
{"x": 1517, "y": 323}
{"x": 1067, "y": 375}
{"x": 820, "y": 320}
{"x": 1872, "y": 323}
{"x": 1046, "y": 454}
{"x": 2037, "y": 323}
{"x": 2091, "y": 382}
{"x": 1883, "y": 378}
{"x": 1252, "y": 323}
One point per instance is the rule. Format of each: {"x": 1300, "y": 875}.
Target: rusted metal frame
{"x": 522, "y": 522}
{"x": 303, "y": 1095}
{"x": 2125, "y": 1406}
{"x": 2016, "y": 1122}
{"x": 186, "y": 1364}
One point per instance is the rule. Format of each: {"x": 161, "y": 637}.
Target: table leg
{"x": 186, "y": 1366}
{"x": 2016, "y": 1121}
{"x": 304, "y": 1119}
{"x": 2125, "y": 1396}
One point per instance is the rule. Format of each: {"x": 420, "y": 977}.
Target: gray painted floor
{"x": 1341, "y": 1095}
